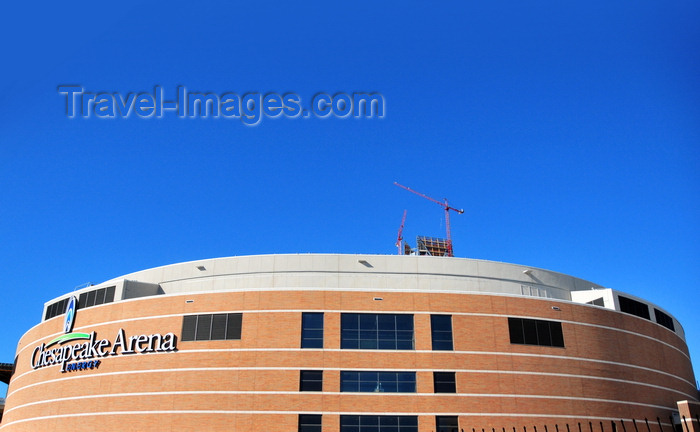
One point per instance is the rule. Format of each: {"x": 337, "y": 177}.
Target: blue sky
{"x": 569, "y": 133}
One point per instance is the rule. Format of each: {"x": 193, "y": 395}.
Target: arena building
{"x": 351, "y": 343}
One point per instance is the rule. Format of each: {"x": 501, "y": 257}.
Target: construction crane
{"x": 446, "y": 206}
{"x": 399, "y": 240}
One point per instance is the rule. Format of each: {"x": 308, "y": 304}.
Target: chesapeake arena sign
{"x": 87, "y": 354}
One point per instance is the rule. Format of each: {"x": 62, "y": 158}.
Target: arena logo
{"x": 87, "y": 353}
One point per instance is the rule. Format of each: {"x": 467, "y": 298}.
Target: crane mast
{"x": 399, "y": 239}
{"x": 446, "y": 206}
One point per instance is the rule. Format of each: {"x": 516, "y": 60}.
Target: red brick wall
{"x": 614, "y": 366}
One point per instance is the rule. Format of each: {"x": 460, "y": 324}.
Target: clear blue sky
{"x": 569, "y": 133}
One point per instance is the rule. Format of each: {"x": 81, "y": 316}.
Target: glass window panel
{"x": 81, "y": 300}
{"x": 408, "y": 421}
{"x": 218, "y": 327}
{"x": 447, "y": 423}
{"x": 189, "y": 324}
{"x": 386, "y": 322}
{"x": 368, "y": 334}
{"x": 100, "y": 296}
{"x": 406, "y": 376}
{"x": 312, "y": 320}
{"x": 664, "y": 319}
{"x": 368, "y": 322}
{"x": 203, "y": 327}
{"x": 109, "y": 294}
{"x": 386, "y": 344}
{"x": 557, "y": 335}
{"x": 312, "y": 330}
{"x": 350, "y": 344}
{"x": 374, "y": 386}
{"x": 543, "y": 337}
{"x": 348, "y": 376}
{"x": 633, "y": 307}
{"x": 311, "y": 380}
{"x": 404, "y": 322}
{"x": 444, "y": 382}
{"x": 313, "y": 343}
{"x": 367, "y": 376}
{"x": 350, "y": 334}
{"x": 90, "y": 299}
{"x": 393, "y": 387}
{"x": 389, "y": 420}
{"x": 368, "y": 344}
{"x": 369, "y": 420}
{"x": 515, "y": 327}
{"x": 350, "y": 420}
{"x": 386, "y": 334}
{"x": 310, "y": 423}
{"x": 233, "y": 326}
{"x": 441, "y": 323}
{"x": 530, "y": 332}
{"x": 312, "y": 334}
{"x": 406, "y": 387}
{"x": 404, "y": 335}
{"x": 349, "y": 321}
{"x": 442, "y": 345}
{"x": 404, "y": 345}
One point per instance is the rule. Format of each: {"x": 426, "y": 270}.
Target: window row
{"x": 377, "y": 423}
{"x": 86, "y": 299}
{"x": 376, "y": 331}
{"x": 373, "y": 331}
{"x": 641, "y": 310}
{"x": 212, "y": 327}
{"x": 377, "y": 381}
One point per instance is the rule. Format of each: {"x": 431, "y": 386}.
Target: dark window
{"x": 310, "y": 422}
{"x": 535, "y": 332}
{"x": 211, "y": 327}
{"x": 446, "y": 424}
{"x": 634, "y": 307}
{"x": 189, "y": 325}
{"x": 312, "y": 330}
{"x": 56, "y": 309}
{"x": 444, "y": 382}
{"x": 109, "y": 294}
{"x": 389, "y": 382}
{"x": 100, "y": 296}
{"x": 441, "y": 329}
{"x": 203, "y": 331}
{"x": 233, "y": 326}
{"x": 90, "y": 299}
{"x": 86, "y": 299}
{"x": 664, "y": 320}
{"x": 82, "y": 300}
{"x": 311, "y": 380}
{"x": 376, "y": 331}
{"x": 218, "y": 326}
{"x": 374, "y": 423}
{"x": 597, "y": 302}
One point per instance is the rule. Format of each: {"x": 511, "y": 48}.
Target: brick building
{"x": 351, "y": 343}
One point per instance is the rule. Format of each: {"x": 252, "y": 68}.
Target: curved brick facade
{"x": 613, "y": 365}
